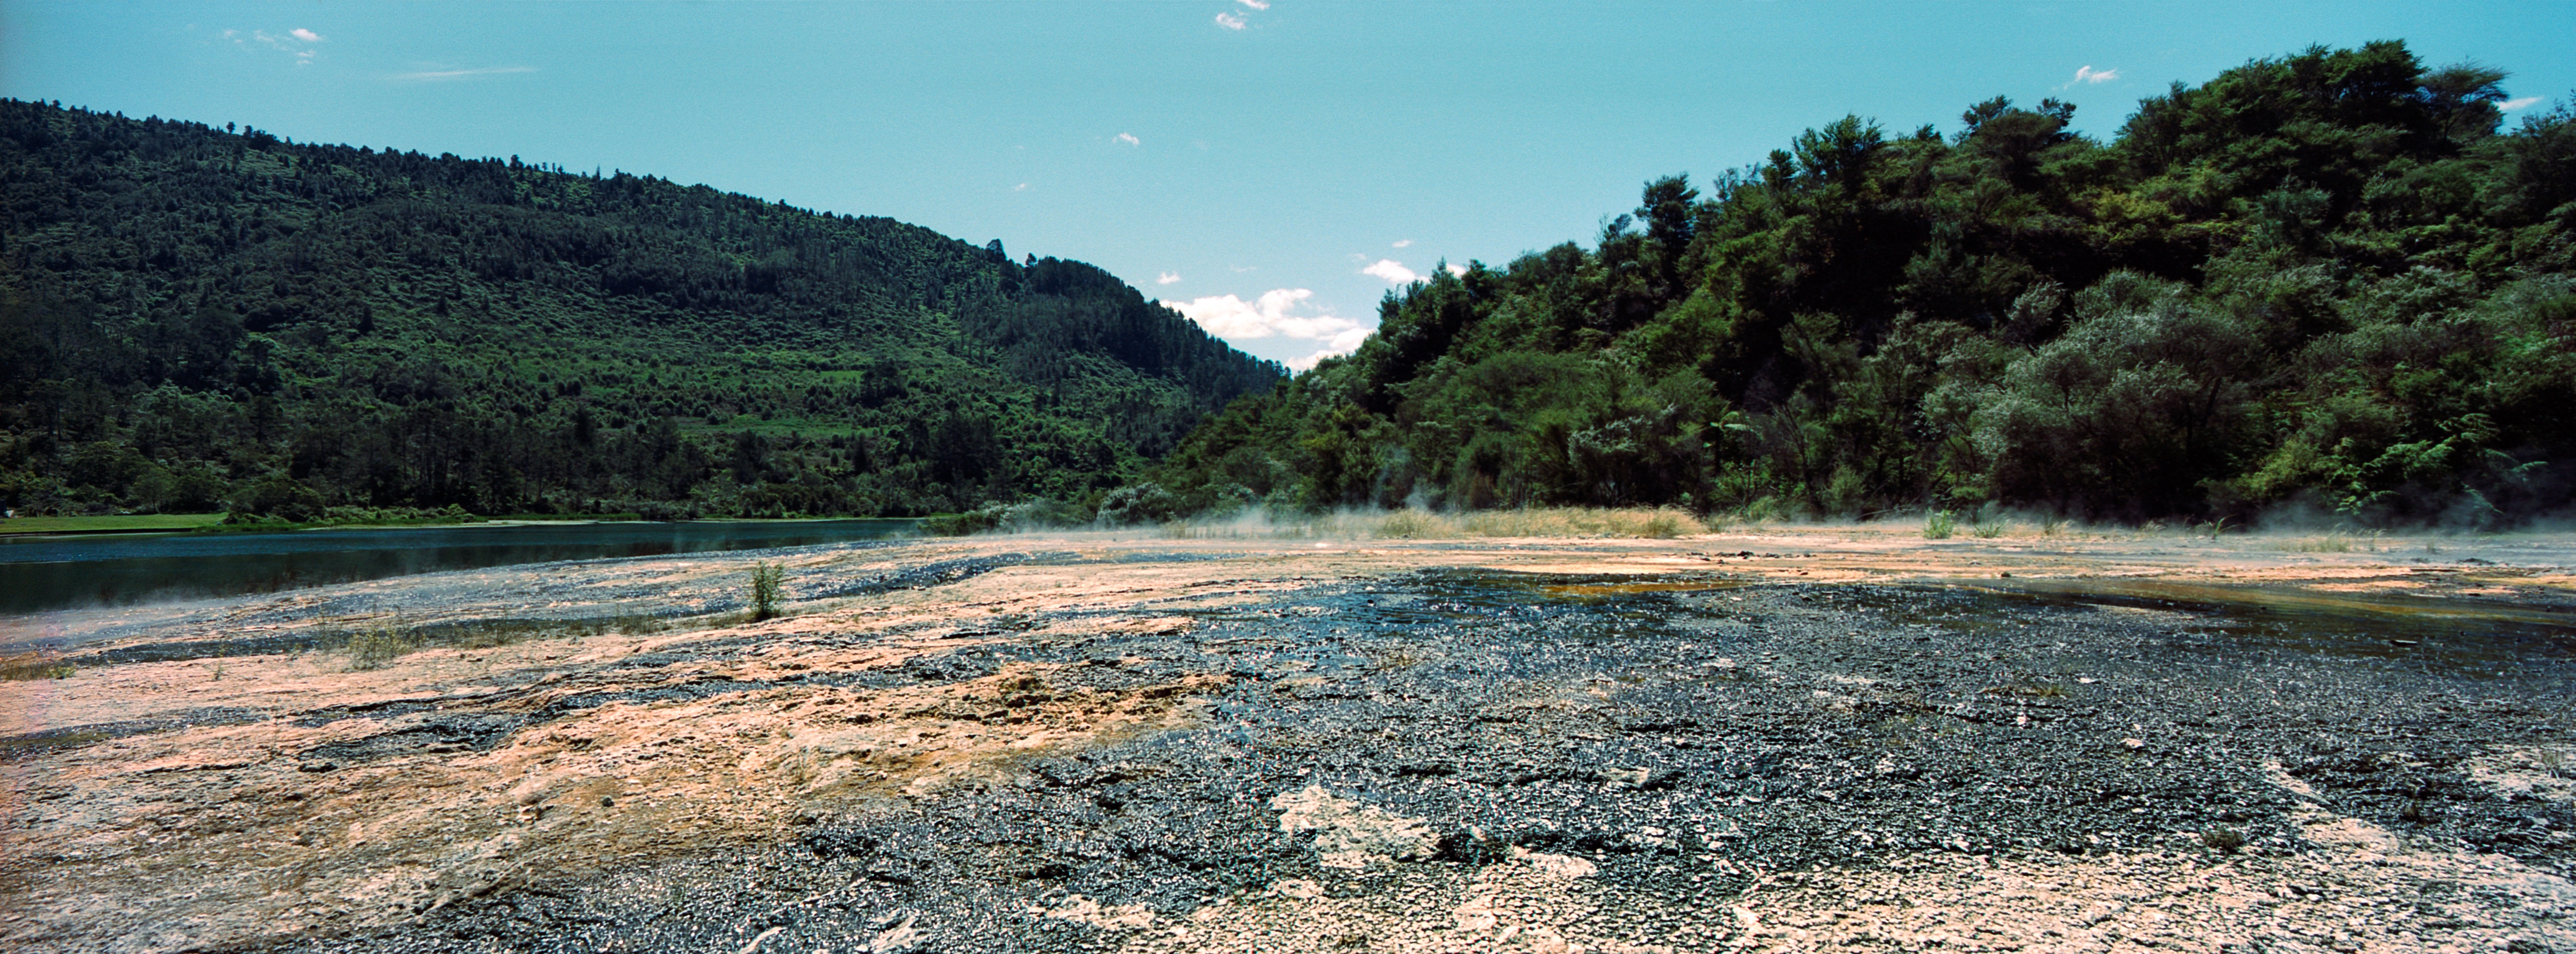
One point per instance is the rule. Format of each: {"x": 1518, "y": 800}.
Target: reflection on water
{"x": 2449, "y": 635}
{"x": 49, "y": 573}
{"x": 2460, "y": 636}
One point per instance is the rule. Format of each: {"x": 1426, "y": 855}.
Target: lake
{"x": 38, "y": 574}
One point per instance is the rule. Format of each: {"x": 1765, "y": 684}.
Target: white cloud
{"x": 431, "y": 76}
{"x": 1167, "y": 278}
{"x": 1255, "y": 4}
{"x": 1341, "y": 344}
{"x": 296, "y": 42}
{"x": 1229, "y": 21}
{"x": 1273, "y": 315}
{"x": 1277, "y": 313}
{"x": 1393, "y": 271}
{"x": 1128, "y": 138}
{"x": 1402, "y": 243}
{"x": 2087, "y": 75}
{"x": 2523, "y": 103}
{"x": 1458, "y": 270}
{"x": 1022, "y": 187}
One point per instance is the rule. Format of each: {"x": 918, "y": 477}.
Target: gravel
{"x": 1459, "y": 760}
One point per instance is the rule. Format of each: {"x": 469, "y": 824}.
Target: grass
{"x": 36, "y": 666}
{"x": 130, "y": 523}
{"x": 373, "y": 649}
{"x": 2336, "y": 541}
{"x": 1654, "y": 524}
{"x": 1410, "y": 524}
{"x": 346, "y": 517}
{"x": 2027, "y": 685}
{"x": 1940, "y": 525}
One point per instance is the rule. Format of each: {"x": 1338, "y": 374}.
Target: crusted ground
{"x": 1791, "y": 741}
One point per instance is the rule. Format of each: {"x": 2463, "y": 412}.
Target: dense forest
{"x": 2331, "y": 280}
{"x": 195, "y": 318}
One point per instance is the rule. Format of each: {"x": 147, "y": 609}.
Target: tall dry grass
{"x": 1636, "y": 522}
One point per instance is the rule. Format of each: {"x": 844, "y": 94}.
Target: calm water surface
{"x": 49, "y": 573}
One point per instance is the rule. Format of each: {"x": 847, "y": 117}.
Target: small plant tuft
{"x": 1940, "y": 525}
{"x": 2222, "y": 839}
{"x": 1408, "y": 525}
{"x": 1661, "y": 525}
{"x": 372, "y": 650}
{"x": 765, "y": 580}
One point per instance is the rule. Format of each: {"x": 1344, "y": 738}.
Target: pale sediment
{"x": 1086, "y": 742}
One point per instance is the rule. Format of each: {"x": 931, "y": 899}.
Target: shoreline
{"x": 493, "y": 522}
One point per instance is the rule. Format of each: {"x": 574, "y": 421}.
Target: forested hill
{"x": 194, "y": 318}
{"x": 2331, "y": 280}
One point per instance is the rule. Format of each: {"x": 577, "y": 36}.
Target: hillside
{"x": 194, "y": 318}
{"x": 2329, "y": 280}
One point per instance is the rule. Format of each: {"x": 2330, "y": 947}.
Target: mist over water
{"x": 41, "y": 574}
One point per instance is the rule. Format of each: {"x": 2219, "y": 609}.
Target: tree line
{"x": 2332, "y": 279}
{"x": 194, "y": 318}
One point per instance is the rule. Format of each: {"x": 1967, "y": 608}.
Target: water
{"x": 2456, "y": 636}
{"x": 38, "y": 574}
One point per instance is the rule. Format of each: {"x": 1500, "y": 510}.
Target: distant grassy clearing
{"x": 132, "y": 523}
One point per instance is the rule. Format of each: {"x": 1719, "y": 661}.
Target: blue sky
{"x": 1272, "y": 167}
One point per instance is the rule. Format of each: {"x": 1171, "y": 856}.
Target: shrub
{"x": 2223, "y": 839}
{"x": 963, "y": 524}
{"x": 1940, "y": 525}
{"x": 765, "y": 580}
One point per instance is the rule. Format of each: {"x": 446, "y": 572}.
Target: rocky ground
{"x": 1794, "y": 741}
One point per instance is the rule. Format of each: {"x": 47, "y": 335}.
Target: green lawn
{"x": 124, "y": 524}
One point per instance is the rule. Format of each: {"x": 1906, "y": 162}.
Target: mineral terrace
{"x": 1796, "y": 740}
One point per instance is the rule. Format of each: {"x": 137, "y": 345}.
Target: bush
{"x": 1139, "y": 503}
{"x": 281, "y": 497}
{"x": 1940, "y": 525}
{"x": 983, "y": 518}
{"x": 1040, "y": 514}
{"x": 765, "y": 580}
